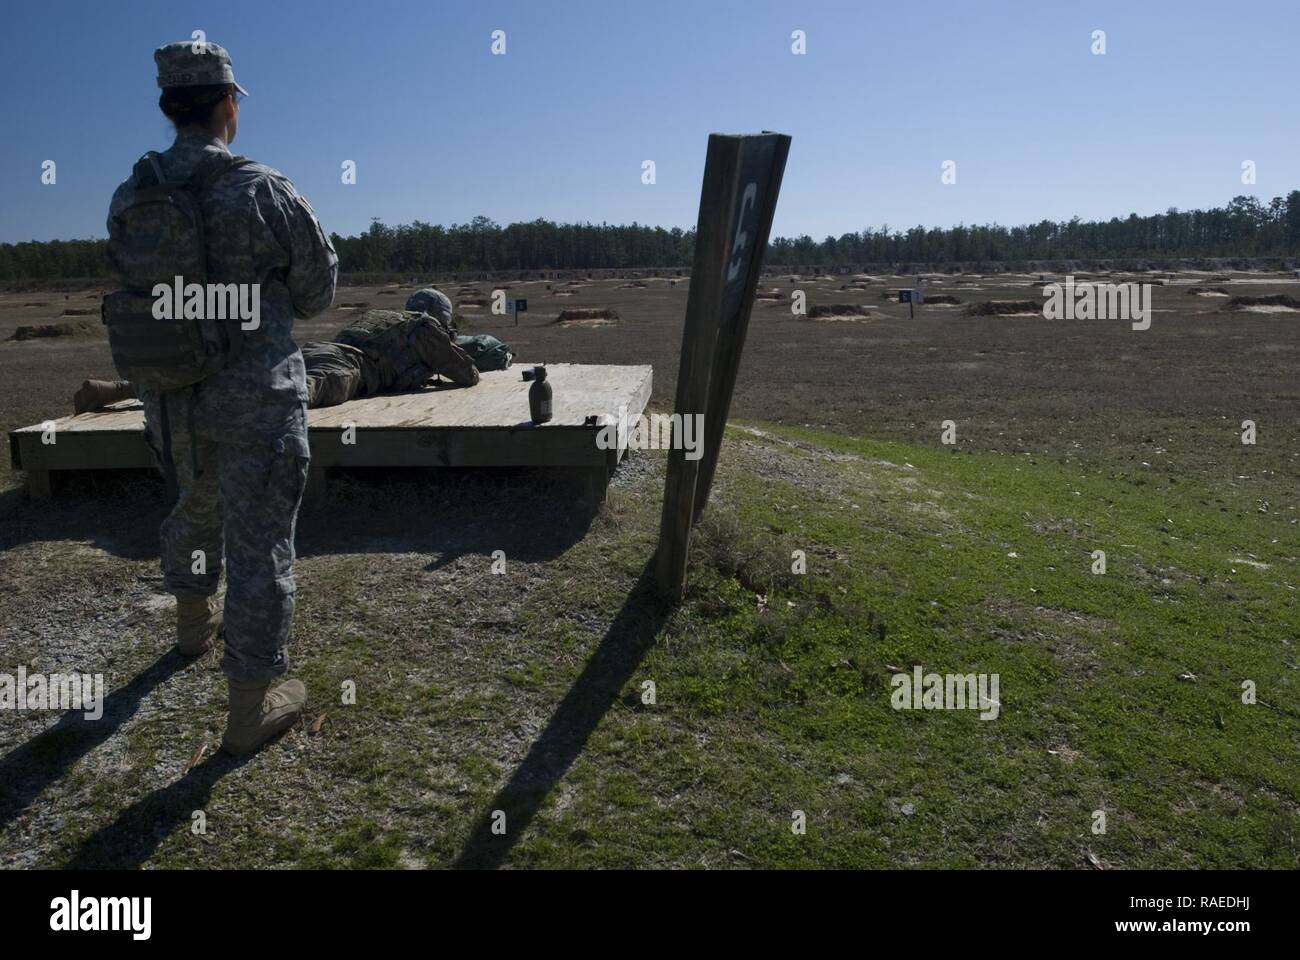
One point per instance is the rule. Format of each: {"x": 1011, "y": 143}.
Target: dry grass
{"x": 579, "y": 314}
{"x": 1271, "y": 300}
{"x": 1005, "y": 308}
{"x": 34, "y": 331}
{"x": 827, "y": 311}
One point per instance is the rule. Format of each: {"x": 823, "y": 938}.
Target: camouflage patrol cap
{"x": 194, "y": 63}
{"x": 429, "y": 301}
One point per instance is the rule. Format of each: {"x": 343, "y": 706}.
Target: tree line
{"x": 1245, "y": 227}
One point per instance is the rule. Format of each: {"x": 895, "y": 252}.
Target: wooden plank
{"x": 125, "y": 416}
{"x": 86, "y": 451}
{"x": 478, "y": 447}
{"x": 742, "y": 175}
{"x": 499, "y": 400}
{"x": 486, "y": 425}
{"x": 640, "y": 401}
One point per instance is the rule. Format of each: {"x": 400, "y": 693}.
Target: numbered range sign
{"x": 517, "y": 307}
{"x": 742, "y": 178}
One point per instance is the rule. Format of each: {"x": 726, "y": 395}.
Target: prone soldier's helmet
{"x": 430, "y": 301}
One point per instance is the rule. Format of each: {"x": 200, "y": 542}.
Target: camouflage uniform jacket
{"x": 259, "y": 230}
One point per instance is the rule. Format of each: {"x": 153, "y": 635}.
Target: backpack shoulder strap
{"x": 212, "y": 169}
{"x": 147, "y": 171}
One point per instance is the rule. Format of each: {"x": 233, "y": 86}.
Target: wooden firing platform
{"x": 485, "y": 425}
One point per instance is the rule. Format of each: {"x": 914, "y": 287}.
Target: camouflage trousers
{"x": 335, "y": 373}
{"x": 235, "y": 505}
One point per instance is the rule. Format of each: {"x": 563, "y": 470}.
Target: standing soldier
{"x": 233, "y": 444}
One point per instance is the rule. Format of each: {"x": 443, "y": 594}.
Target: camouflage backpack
{"x": 158, "y": 237}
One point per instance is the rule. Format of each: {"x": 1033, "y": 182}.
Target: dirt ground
{"x": 1088, "y": 388}
{"x": 468, "y": 675}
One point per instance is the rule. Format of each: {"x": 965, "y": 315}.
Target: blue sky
{"x": 442, "y": 130}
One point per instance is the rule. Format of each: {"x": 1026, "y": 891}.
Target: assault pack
{"x": 488, "y": 353}
{"x": 158, "y": 237}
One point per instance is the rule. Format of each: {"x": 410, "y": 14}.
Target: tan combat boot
{"x": 258, "y": 713}
{"x": 95, "y": 394}
{"x": 198, "y": 621}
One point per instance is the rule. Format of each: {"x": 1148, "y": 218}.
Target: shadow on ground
{"x": 533, "y": 515}
{"x": 119, "y": 513}
{"x": 630, "y": 636}
{"x": 131, "y": 839}
{"x": 28, "y": 769}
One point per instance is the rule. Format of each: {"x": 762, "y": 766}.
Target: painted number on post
{"x": 742, "y": 236}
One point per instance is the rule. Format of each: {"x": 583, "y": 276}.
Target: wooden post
{"x": 40, "y": 482}
{"x": 742, "y": 177}
{"x": 736, "y": 308}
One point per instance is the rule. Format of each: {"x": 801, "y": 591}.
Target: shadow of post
{"x": 621, "y": 650}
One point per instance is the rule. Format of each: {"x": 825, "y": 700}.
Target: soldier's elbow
{"x": 310, "y": 304}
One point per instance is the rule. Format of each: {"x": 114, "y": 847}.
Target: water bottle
{"x": 539, "y": 395}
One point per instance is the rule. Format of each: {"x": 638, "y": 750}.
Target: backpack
{"x": 160, "y": 236}
{"x": 488, "y": 353}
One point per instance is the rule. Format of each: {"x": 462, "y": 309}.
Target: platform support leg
{"x": 593, "y": 486}
{"x": 40, "y": 485}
